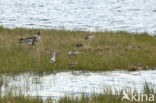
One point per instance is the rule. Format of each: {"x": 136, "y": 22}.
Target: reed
{"x": 20, "y": 99}
{"x": 107, "y": 51}
{"x": 107, "y": 96}
{"x": 1, "y": 83}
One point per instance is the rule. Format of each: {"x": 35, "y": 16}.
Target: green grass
{"x": 20, "y": 99}
{"x": 107, "y": 51}
{"x": 107, "y": 96}
{"x": 1, "y": 83}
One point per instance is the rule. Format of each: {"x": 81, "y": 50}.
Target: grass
{"x": 107, "y": 96}
{"x": 107, "y": 51}
{"x": 1, "y": 83}
{"x": 20, "y": 99}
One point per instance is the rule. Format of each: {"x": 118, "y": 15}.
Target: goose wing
{"x": 29, "y": 39}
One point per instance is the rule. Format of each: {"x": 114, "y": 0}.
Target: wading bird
{"x": 53, "y": 57}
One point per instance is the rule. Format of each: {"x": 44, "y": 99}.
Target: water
{"x": 76, "y": 83}
{"x": 86, "y": 15}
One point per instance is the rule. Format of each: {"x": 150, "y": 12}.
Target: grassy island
{"x": 107, "y": 51}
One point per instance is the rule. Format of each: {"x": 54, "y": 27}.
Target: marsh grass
{"x": 107, "y": 96}
{"x": 20, "y": 99}
{"x": 0, "y": 86}
{"x": 10, "y": 97}
{"x": 148, "y": 89}
{"x": 107, "y": 51}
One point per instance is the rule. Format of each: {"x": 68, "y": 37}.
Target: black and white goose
{"x": 31, "y": 40}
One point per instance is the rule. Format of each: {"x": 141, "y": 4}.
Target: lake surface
{"x": 86, "y": 15}
{"x": 76, "y": 82}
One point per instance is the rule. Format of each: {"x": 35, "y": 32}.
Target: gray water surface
{"x": 86, "y": 15}
{"x": 76, "y": 83}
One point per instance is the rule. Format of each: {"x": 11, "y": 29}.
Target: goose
{"x": 78, "y": 45}
{"x": 89, "y": 37}
{"x": 53, "y": 57}
{"x": 73, "y": 53}
{"x": 73, "y": 64}
{"x": 31, "y": 40}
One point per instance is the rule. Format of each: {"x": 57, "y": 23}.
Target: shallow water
{"x": 76, "y": 83}
{"x": 87, "y": 15}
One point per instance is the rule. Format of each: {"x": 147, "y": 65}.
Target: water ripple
{"x": 129, "y": 15}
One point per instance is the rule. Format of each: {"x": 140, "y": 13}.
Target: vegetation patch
{"x": 92, "y": 51}
{"x": 107, "y": 96}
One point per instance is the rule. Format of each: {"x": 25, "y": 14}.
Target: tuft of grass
{"x": 148, "y": 89}
{"x": 107, "y": 51}
{"x": 20, "y": 99}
